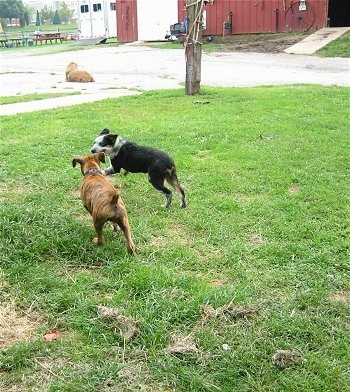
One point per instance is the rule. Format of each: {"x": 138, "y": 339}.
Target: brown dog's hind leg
{"x": 123, "y": 223}
{"x": 99, "y": 240}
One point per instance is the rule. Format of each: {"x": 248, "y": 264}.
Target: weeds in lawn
{"x": 247, "y": 288}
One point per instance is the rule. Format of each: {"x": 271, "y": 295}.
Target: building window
{"x": 84, "y": 9}
{"x": 112, "y": 6}
{"x": 97, "y": 7}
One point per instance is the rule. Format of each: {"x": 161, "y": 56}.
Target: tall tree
{"x": 65, "y": 13}
{"x": 193, "y": 46}
{"x": 56, "y": 18}
{"x": 29, "y": 12}
{"x": 26, "y": 18}
{"x": 46, "y": 14}
{"x": 11, "y": 9}
{"x": 37, "y": 21}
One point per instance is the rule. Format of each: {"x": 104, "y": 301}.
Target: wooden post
{"x": 193, "y": 46}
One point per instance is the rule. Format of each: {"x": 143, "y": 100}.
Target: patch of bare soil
{"x": 14, "y": 326}
{"x": 284, "y": 359}
{"x": 127, "y": 326}
{"x": 263, "y": 43}
{"x": 341, "y": 297}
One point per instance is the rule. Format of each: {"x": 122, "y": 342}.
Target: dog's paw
{"x": 103, "y": 172}
{"x": 132, "y": 250}
{"x": 98, "y": 241}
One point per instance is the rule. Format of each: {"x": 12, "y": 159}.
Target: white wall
{"x": 154, "y": 18}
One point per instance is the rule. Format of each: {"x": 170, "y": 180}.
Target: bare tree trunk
{"x": 193, "y": 46}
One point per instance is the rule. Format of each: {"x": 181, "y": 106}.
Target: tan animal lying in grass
{"x": 73, "y": 74}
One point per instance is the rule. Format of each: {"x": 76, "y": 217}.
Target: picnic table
{"x": 14, "y": 40}
{"x": 3, "y": 39}
{"x": 40, "y": 37}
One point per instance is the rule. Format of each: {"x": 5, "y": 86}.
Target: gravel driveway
{"x": 129, "y": 69}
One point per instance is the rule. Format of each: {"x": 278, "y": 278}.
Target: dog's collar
{"x": 92, "y": 171}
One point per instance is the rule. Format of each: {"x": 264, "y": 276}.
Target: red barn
{"x": 268, "y": 16}
{"x": 224, "y": 17}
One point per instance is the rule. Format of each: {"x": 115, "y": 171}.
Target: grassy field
{"x": 29, "y": 29}
{"x": 258, "y": 261}
{"x": 337, "y": 48}
{"x": 33, "y": 97}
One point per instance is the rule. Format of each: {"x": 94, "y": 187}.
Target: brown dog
{"x": 73, "y": 74}
{"x": 102, "y": 200}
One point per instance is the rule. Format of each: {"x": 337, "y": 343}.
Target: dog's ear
{"x": 111, "y": 139}
{"x": 79, "y": 159}
{"x": 102, "y": 157}
{"x": 105, "y": 132}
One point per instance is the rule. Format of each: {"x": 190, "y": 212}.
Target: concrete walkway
{"x": 317, "y": 40}
{"x": 68, "y": 100}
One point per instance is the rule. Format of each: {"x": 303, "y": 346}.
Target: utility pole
{"x": 193, "y": 46}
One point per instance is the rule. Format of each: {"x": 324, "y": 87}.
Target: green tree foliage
{"x": 56, "y": 18}
{"x": 12, "y": 9}
{"x": 46, "y": 14}
{"x": 26, "y": 17}
{"x": 62, "y": 15}
{"x": 65, "y": 13}
{"x": 37, "y": 20}
{"x": 29, "y": 14}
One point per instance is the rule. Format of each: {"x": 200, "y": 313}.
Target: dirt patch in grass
{"x": 229, "y": 311}
{"x": 257, "y": 239}
{"x": 127, "y": 326}
{"x": 293, "y": 189}
{"x": 341, "y": 297}
{"x": 182, "y": 345}
{"x": 283, "y": 359}
{"x": 263, "y": 43}
{"x": 14, "y": 326}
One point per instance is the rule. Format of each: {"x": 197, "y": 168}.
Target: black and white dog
{"x": 140, "y": 159}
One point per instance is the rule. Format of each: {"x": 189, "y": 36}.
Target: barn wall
{"x": 260, "y": 16}
{"x": 248, "y": 16}
{"x": 127, "y": 30}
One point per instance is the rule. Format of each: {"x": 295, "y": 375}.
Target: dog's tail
{"x": 172, "y": 179}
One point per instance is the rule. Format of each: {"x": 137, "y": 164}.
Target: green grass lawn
{"x": 257, "y": 262}
{"x": 337, "y": 48}
{"x": 30, "y": 29}
{"x": 33, "y": 97}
